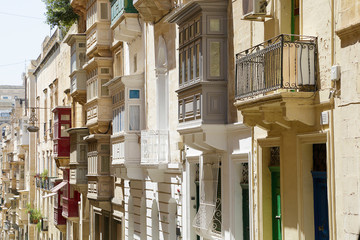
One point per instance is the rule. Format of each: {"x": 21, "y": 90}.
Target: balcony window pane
{"x": 73, "y": 62}
{"x": 181, "y": 68}
{"x": 134, "y": 117}
{"x": 215, "y": 59}
{"x": 197, "y": 59}
{"x": 63, "y": 129}
{"x": 181, "y": 37}
{"x": 186, "y": 57}
{"x": 191, "y": 63}
{"x": 122, "y": 118}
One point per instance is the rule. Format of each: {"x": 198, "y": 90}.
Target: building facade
{"x": 199, "y": 119}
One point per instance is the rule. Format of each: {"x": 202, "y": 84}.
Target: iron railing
{"x": 286, "y": 61}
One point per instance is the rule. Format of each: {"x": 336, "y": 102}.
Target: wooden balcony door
{"x": 276, "y": 202}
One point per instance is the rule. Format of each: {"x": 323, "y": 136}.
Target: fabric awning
{"x": 58, "y": 187}
{"x": 49, "y": 195}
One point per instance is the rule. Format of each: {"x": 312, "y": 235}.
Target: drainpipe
{"x": 332, "y": 106}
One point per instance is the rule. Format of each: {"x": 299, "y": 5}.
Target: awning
{"x": 49, "y": 195}
{"x": 58, "y": 187}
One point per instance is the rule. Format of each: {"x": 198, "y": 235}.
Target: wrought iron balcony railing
{"x": 283, "y": 62}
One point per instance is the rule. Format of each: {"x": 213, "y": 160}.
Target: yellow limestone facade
{"x": 298, "y": 131}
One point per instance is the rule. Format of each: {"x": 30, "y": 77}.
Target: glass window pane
{"x": 186, "y": 57}
{"x": 181, "y": 68}
{"x": 191, "y": 63}
{"x": 134, "y": 94}
{"x": 63, "y": 128}
{"x": 215, "y": 59}
{"x": 197, "y": 59}
{"x": 198, "y": 27}
{"x": 134, "y": 117}
{"x": 122, "y": 118}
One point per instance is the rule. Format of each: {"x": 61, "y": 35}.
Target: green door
{"x": 276, "y": 202}
{"x": 245, "y": 208}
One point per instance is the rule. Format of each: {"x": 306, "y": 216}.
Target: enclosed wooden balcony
{"x": 154, "y": 10}
{"x": 100, "y": 188}
{"x": 120, "y": 7}
{"x": 78, "y": 157}
{"x": 98, "y": 113}
{"x": 276, "y": 81}
{"x": 62, "y": 122}
{"x": 77, "y": 42}
{"x": 124, "y": 20}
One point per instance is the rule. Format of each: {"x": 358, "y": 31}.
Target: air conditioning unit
{"x": 253, "y": 9}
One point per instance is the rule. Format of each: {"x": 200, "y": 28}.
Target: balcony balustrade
{"x": 285, "y": 62}
{"x": 126, "y": 150}
{"x": 58, "y": 217}
{"x": 154, "y": 147}
{"x": 70, "y": 208}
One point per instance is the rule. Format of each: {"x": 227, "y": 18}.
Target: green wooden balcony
{"x": 119, "y": 7}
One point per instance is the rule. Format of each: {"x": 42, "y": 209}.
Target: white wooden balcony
{"x": 154, "y": 147}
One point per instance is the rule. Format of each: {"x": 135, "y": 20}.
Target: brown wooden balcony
{"x": 286, "y": 62}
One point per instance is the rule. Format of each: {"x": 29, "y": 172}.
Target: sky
{"x": 22, "y": 30}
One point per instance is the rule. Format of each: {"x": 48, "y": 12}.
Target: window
{"x": 134, "y": 117}
{"x": 189, "y": 52}
{"x": 134, "y": 94}
{"x": 63, "y": 128}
